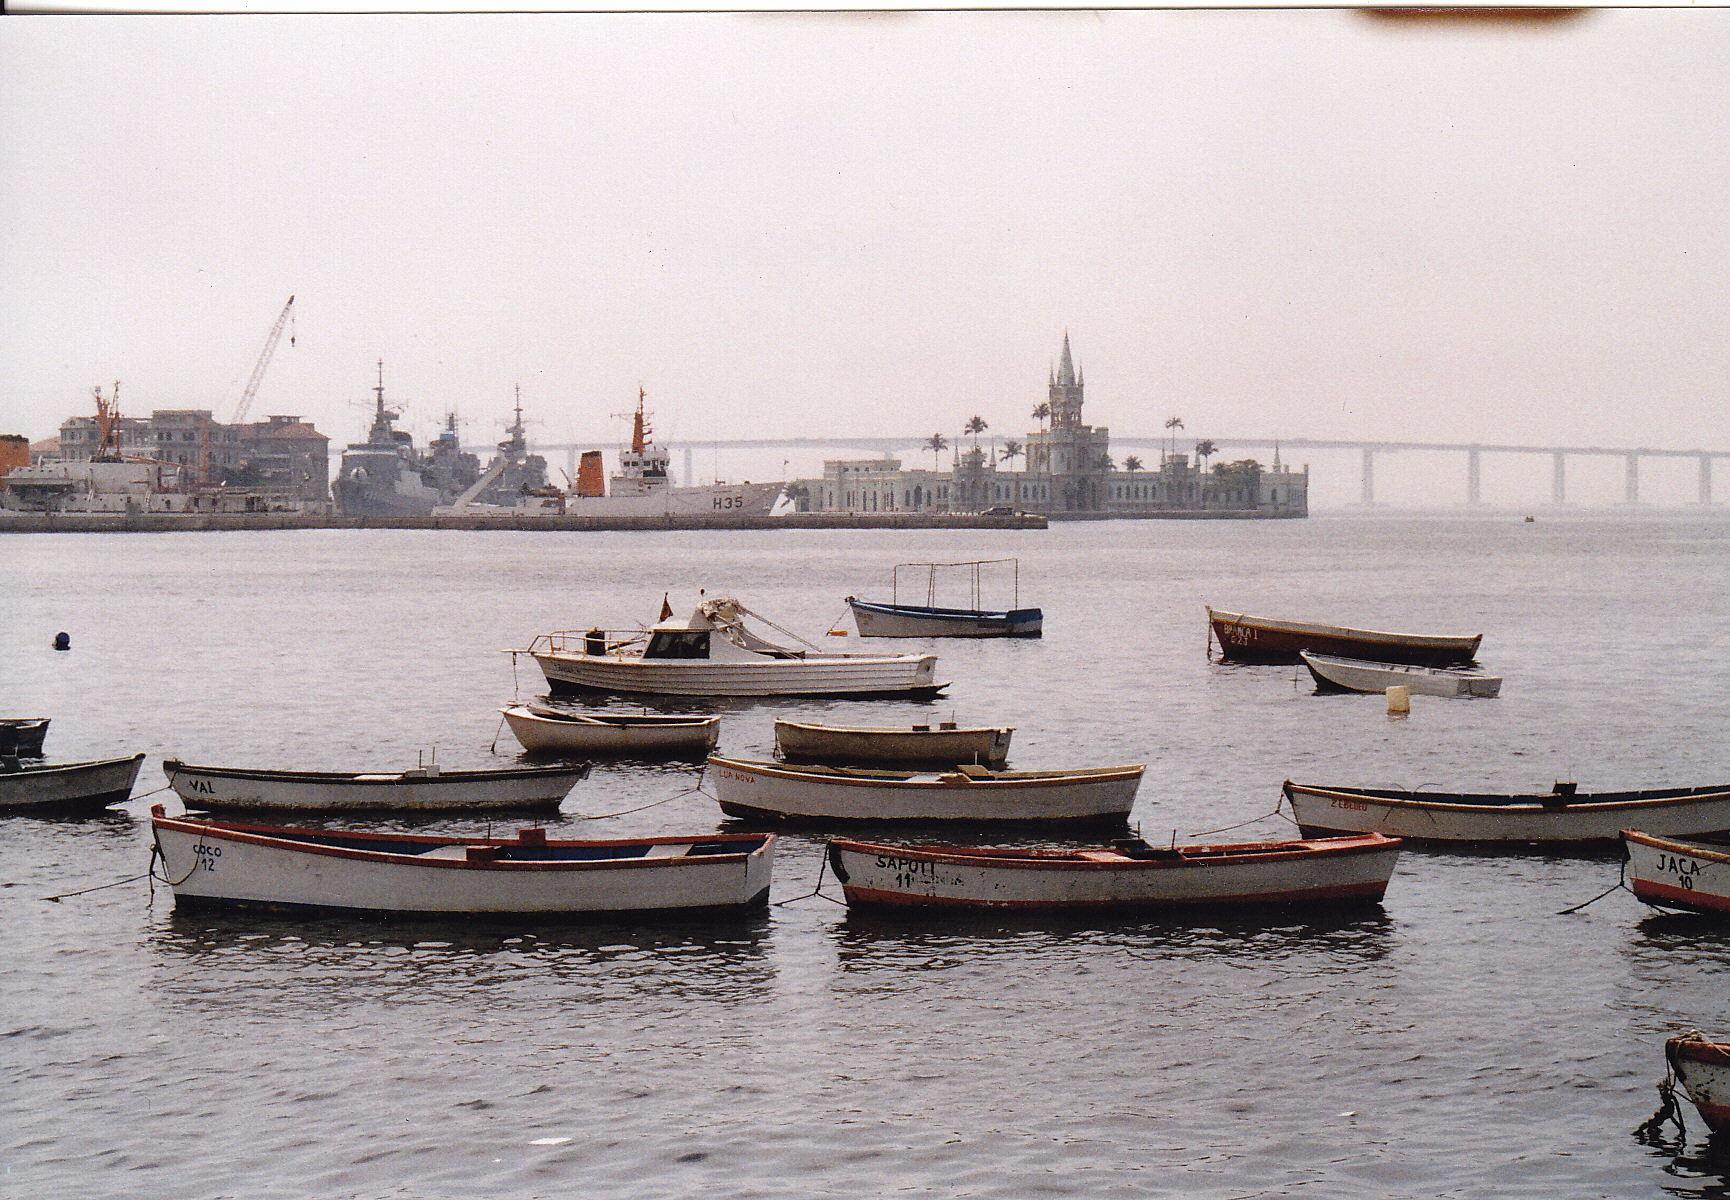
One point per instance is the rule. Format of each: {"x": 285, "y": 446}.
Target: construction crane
{"x": 284, "y": 318}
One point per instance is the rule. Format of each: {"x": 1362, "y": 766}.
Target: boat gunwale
{"x": 1011, "y": 615}
{"x": 891, "y": 730}
{"x": 1699, "y": 1050}
{"x": 1403, "y": 668}
{"x": 612, "y": 720}
{"x": 173, "y": 766}
{"x": 1220, "y": 616}
{"x": 1204, "y": 854}
{"x": 952, "y": 779}
{"x": 1516, "y": 803}
{"x": 1657, "y": 841}
{"x": 93, "y": 764}
{"x": 756, "y": 661}
{"x": 283, "y": 837}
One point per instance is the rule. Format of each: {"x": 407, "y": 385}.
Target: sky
{"x": 1297, "y": 223}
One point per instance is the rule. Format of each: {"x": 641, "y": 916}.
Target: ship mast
{"x": 639, "y": 425}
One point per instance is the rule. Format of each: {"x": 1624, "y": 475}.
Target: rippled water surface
{"x": 1464, "y": 1040}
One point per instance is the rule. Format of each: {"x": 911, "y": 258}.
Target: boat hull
{"x": 1334, "y": 871}
{"x": 218, "y": 789}
{"x": 543, "y": 735}
{"x": 1552, "y": 820}
{"x": 1248, "y": 639}
{"x": 23, "y": 736}
{"x": 1351, "y": 675}
{"x": 1672, "y": 874}
{"x": 69, "y": 787}
{"x": 1703, "y": 1068}
{"x": 767, "y": 792}
{"x": 861, "y": 746}
{"x": 912, "y": 676}
{"x": 914, "y": 621}
{"x": 211, "y": 864}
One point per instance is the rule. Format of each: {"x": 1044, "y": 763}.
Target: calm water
{"x": 1462, "y": 1041}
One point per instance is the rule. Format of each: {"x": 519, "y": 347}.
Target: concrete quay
{"x": 48, "y": 522}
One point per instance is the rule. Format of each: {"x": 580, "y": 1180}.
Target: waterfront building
{"x": 280, "y": 455}
{"x": 1068, "y": 469}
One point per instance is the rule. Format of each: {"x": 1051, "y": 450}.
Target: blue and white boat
{"x": 895, "y": 619}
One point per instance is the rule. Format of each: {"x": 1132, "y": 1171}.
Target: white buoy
{"x": 1399, "y": 701}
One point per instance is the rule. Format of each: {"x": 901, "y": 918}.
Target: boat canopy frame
{"x": 975, "y": 590}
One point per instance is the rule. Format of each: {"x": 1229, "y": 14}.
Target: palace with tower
{"x": 1066, "y": 469}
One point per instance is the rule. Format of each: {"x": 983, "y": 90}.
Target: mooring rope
{"x": 494, "y": 748}
{"x": 816, "y": 891}
{"x": 1278, "y": 811}
{"x": 1669, "y": 1108}
{"x": 1621, "y": 882}
{"x": 696, "y": 789}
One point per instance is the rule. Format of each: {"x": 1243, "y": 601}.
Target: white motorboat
{"x": 714, "y": 653}
{"x": 776, "y": 791}
{"x": 945, "y": 744}
{"x": 1332, "y": 673}
{"x": 420, "y": 789}
{"x": 1559, "y": 818}
{"x": 212, "y": 863}
{"x": 66, "y": 787}
{"x": 546, "y": 730}
{"x": 1127, "y": 876}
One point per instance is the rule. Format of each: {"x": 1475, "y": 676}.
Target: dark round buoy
{"x": 63, "y": 641}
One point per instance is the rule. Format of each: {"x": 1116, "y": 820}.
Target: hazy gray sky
{"x": 1303, "y": 223}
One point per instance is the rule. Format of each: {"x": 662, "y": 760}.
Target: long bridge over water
{"x": 1474, "y": 453}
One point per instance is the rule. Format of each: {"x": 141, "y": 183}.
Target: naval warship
{"x": 386, "y": 476}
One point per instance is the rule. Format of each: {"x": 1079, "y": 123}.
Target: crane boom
{"x": 263, "y": 362}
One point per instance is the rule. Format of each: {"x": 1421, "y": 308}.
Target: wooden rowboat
{"x": 1353, "y": 675}
{"x": 1128, "y": 876}
{"x": 623, "y": 735}
{"x": 1559, "y": 818}
{"x": 22, "y": 736}
{"x": 212, "y": 863}
{"x": 896, "y": 619}
{"x": 1250, "y": 639}
{"x": 876, "y": 619}
{"x": 1703, "y": 1069}
{"x": 778, "y": 792}
{"x": 941, "y": 745}
{"x": 423, "y": 789}
{"x": 1668, "y": 873}
{"x": 67, "y": 787}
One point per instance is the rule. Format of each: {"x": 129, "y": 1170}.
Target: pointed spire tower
{"x": 1066, "y": 391}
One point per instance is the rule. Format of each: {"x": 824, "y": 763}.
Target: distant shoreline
{"x": 38, "y": 522}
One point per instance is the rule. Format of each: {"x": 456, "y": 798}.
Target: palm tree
{"x": 1172, "y": 425}
{"x": 1011, "y": 451}
{"x": 1132, "y": 463}
{"x": 1041, "y": 414}
{"x": 976, "y": 426}
{"x": 1105, "y": 463}
{"x": 1205, "y": 450}
{"x": 936, "y": 443}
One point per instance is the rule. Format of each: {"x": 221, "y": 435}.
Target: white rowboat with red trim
{"x": 1559, "y": 818}
{"x": 218, "y": 863}
{"x": 1703, "y": 1067}
{"x": 1668, "y": 873}
{"x": 776, "y": 791}
{"x": 1128, "y": 876}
